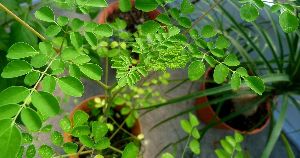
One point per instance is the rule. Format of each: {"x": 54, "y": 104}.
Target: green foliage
{"x": 125, "y": 5}
{"x": 130, "y": 151}
{"x": 231, "y": 147}
{"x": 71, "y": 86}
{"x": 10, "y": 137}
{"x": 187, "y": 7}
{"x": 46, "y": 103}
{"x": 190, "y": 127}
{"x": 31, "y": 119}
{"x": 45, "y": 151}
{"x": 70, "y": 148}
{"x": 45, "y": 14}
{"x": 196, "y": 70}
{"x": 249, "y": 12}
{"x": 146, "y": 5}
{"x": 20, "y": 50}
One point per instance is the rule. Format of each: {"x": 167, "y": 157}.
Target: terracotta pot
{"x": 115, "y": 6}
{"x": 136, "y": 129}
{"x": 207, "y": 113}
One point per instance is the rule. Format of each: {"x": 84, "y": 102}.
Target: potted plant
{"x": 71, "y": 49}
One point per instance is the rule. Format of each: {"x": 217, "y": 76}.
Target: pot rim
{"x": 224, "y": 125}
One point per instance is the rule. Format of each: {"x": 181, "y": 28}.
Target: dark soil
{"x": 132, "y": 18}
{"x": 239, "y": 122}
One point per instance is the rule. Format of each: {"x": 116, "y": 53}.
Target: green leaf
{"x": 208, "y": 31}
{"x": 150, "y": 27}
{"x": 277, "y": 128}
{"x": 11, "y": 138}
{"x": 76, "y": 24}
{"x": 195, "y": 133}
{"x": 26, "y": 138}
{"x": 31, "y": 78}
{"x": 238, "y": 137}
{"x": 227, "y": 146}
{"x": 92, "y": 71}
{"x": 96, "y": 3}
{"x": 210, "y": 60}
{"x": 220, "y": 73}
{"x": 13, "y": 95}
{"x": 69, "y": 54}
{"x": 8, "y": 111}
{"x": 194, "y": 145}
{"x": 99, "y": 130}
{"x": 46, "y": 128}
{"x": 53, "y": 30}
{"x": 71, "y": 86}
{"x": 231, "y": 60}
{"x": 130, "y": 151}
{"x": 21, "y": 50}
{"x": 222, "y": 154}
{"x": 235, "y": 81}
{"x": 222, "y": 42}
{"x": 167, "y": 155}
{"x": 30, "y": 152}
{"x": 102, "y": 143}
{"x": 91, "y": 39}
{"x": 45, "y": 151}
{"x": 20, "y": 153}
{"x": 184, "y": 22}
{"x": 86, "y": 141}
{"x": 74, "y": 71}
{"x": 187, "y": 7}
{"x": 31, "y": 119}
{"x": 45, "y": 14}
{"x": 81, "y": 59}
{"x": 275, "y": 8}
{"x": 103, "y": 30}
{"x": 193, "y": 120}
{"x": 248, "y": 12}
{"x": 48, "y": 84}
{"x": 218, "y": 52}
{"x": 259, "y": 3}
{"x": 163, "y": 18}
{"x": 39, "y": 60}
{"x": 81, "y": 131}
{"x": 46, "y": 103}
{"x": 125, "y": 5}
{"x": 230, "y": 140}
{"x": 56, "y": 138}
{"x": 288, "y": 22}
{"x": 146, "y": 5}
{"x": 242, "y": 71}
{"x": 256, "y": 84}
{"x": 80, "y": 118}
{"x": 76, "y": 40}
{"x": 186, "y": 126}
{"x": 175, "y": 13}
{"x": 65, "y": 124}
{"x": 62, "y": 20}
{"x": 196, "y": 70}
{"x": 16, "y": 68}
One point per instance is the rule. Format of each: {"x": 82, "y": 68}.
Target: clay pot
{"x": 136, "y": 129}
{"x": 207, "y": 114}
{"x": 115, "y": 6}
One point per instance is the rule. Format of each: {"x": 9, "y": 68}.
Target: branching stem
{"x": 22, "y": 22}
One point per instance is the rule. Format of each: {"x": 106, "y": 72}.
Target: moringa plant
{"x": 72, "y": 49}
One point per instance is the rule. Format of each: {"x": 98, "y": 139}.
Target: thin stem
{"x": 186, "y": 145}
{"x": 202, "y": 16}
{"x": 31, "y": 91}
{"x": 22, "y": 22}
{"x": 103, "y": 85}
{"x": 116, "y": 149}
{"x": 68, "y": 155}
